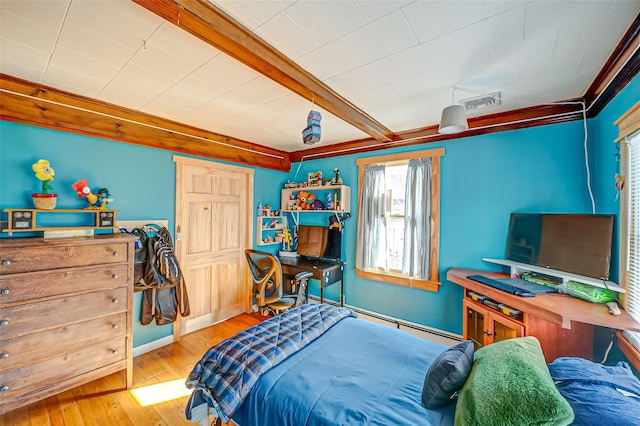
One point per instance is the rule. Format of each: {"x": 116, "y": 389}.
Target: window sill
{"x": 632, "y": 354}
{"x": 397, "y": 279}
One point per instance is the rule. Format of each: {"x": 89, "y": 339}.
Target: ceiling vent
{"x": 484, "y": 101}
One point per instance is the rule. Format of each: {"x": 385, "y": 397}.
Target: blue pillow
{"x": 610, "y": 394}
{"x": 446, "y": 375}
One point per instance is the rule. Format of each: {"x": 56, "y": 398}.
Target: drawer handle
{"x": 114, "y": 326}
{"x": 4, "y": 355}
{"x": 4, "y": 388}
{"x": 116, "y": 253}
{"x": 6, "y": 262}
{"x": 4, "y": 323}
{"x": 115, "y": 300}
{"x": 4, "y": 291}
{"x": 114, "y": 276}
{"x": 114, "y": 352}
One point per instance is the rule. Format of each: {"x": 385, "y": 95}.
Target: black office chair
{"x": 268, "y": 283}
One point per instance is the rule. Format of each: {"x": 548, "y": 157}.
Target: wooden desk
{"x": 562, "y": 323}
{"x": 326, "y": 271}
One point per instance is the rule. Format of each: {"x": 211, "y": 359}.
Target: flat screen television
{"x": 575, "y": 243}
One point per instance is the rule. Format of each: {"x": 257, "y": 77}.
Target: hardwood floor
{"x": 107, "y": 402}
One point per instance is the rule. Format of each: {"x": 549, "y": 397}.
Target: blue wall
{"x": 140, "y": 179}
{"x": 484, "y": 179}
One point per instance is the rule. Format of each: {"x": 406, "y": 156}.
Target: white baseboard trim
{"x": 148, "y": 347}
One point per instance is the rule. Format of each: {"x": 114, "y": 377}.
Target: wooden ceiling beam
{"x": 30, "y": 103}
{"x": 210, "y": 24}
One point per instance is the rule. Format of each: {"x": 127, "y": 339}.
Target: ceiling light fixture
{"x": 453, "y": 118}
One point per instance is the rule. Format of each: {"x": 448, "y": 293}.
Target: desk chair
{"x": 268, "y": 283}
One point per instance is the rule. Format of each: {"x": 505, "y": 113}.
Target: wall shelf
{"x": 340, "y": 198}
{"x": 270, "y": 230}
{"x": 26, "y": 220}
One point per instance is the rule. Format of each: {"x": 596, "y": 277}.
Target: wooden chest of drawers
{"x": 65, "y": 314}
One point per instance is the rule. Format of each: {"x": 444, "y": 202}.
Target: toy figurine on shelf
{"x": 98, "y": 200}
{"x": 44, "y": 172}
{"x": 337, "y": 180}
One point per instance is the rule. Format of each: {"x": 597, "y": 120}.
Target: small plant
{"x": 45, "y": 173}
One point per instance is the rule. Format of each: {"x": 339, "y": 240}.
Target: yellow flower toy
{"x": 45, "y": 173}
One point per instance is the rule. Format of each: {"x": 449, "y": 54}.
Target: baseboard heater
{"x": 420, "y": 330}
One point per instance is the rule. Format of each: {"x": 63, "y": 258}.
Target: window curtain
{"x": 417, "y": 219}
{"x": 372, "y": 222}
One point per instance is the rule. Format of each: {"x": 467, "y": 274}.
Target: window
{"x": 399, "y": 218}
{"x": 629, "y": 128}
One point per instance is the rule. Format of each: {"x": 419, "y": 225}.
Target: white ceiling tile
{"x": 373, "y": 42}
{"x": 291, "y": 40}
{"x": 258, "y": 91}
{"x": 72, "y": 81}
{"x": 48, "y": 14}
{"x": 20, "y": 70}
{"x": 254, "y": 12}
{"x": 378, "y": 8}
{"x": 433, "y": 19}
{"x": 333, "y": 58}
{"x": 168, "y": 106}
{"x": 139, "y": 84}
{"x": 162, "y": 63}
{"x": 395, "y": 113}
{"x": 198, "y": 89}
{"x": 543, "y": 17}
{"x": 179, "y": 43}
{"x": 225, "y": 72}
{"x": 110, "y": 21}
{"x": 90, "y": 44}
{"x": 327, "y": 20}
{"x": 74, "y": 60}
{"x": 139, "y": 14}
{"x": 15, "y": 53}
{"x": 26, "y": 32}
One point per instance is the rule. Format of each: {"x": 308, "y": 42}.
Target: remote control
{"x": 614, "y": 309}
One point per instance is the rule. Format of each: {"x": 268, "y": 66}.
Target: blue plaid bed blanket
{"x": 227, "y": 372}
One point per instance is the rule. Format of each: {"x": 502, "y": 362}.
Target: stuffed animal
{"x": 305, "y": 200}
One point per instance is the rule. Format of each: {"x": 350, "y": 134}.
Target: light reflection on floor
{"x": 160, "y": 392}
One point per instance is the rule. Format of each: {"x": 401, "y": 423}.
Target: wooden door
{"x": 213, "y": 228}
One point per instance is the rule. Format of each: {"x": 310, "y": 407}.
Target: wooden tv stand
{"x": 562, "y": 323}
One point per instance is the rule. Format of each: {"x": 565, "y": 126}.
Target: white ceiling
{"x": 396, "y": 60}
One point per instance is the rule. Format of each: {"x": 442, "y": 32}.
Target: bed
{"x": 319, "y": 365}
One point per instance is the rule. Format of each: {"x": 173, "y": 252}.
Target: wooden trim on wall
{"x": 621, "y": 67}
{"x": 628, "y": 123}
{"x": 501, "y": 122}
{"x": 34, "y": 104}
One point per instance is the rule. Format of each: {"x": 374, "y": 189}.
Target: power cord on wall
{"x": 586, "y": 157}
{"x": 606, "y": 353}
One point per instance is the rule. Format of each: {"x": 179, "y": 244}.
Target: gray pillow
{"x": 447, "y": 374}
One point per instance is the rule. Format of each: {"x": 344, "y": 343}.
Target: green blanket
{"x": 510, "y": 384}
